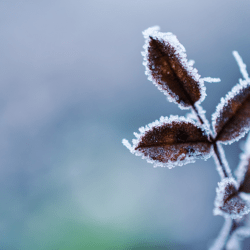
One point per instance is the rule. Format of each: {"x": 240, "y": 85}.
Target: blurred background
{"x": 72, "y": 87}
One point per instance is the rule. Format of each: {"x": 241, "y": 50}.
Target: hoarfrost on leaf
{"x": 170, "y": 142}
{"x": 228, "y": 202}
{"x": 191, "y": 62}
{"x": 166, "y": 65}
{"x": 231, "y": 121}
{"x": 243, "y": 170}
{"x": 178, "y": 140}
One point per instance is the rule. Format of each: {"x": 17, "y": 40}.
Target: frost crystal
{"x": 210, "y": 79}
{"x": 224, "y": 162}
{"x": 242, "y": 65}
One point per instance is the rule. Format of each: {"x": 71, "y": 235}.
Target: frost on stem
{"x": 166, "y": 65}
{"x": 170, "y": 142}
{"x": 220, "y": 160}
{"x": 210, "y": 79}
{"x": 228, "y": 202}
{"x": 240, "y": 227}
{"x": 242, "y": 65}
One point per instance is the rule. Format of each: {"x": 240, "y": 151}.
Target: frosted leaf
{"x": 170, "y": 142}
{"x": 211, "y": 79}
{"x": 166, "y": 65}
{"x": 231, "y": 121}
{"x": 228, "y": 203}
{"x": 243, "y": 171}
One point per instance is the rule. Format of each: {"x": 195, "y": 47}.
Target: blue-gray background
{"x": 72, "y": 86}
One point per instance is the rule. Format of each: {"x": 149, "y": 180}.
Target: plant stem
{"x": 220, "y": 160}
{"x": 224, "y": 172}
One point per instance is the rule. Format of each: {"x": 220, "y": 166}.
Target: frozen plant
{"x": 174, "y": 141}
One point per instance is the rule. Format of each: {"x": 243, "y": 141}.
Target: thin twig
{"x": 242, "y": 65}
{"x": 219, "y": 158}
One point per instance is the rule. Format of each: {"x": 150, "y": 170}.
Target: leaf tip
{"x": 150, "y": 31}
{"x": 126, "y": 143}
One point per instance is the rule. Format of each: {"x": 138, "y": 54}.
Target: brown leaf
{"x": 170, "y": 142}
{"x": 243, "y": 170}
{"x": 231, "y": 121}
{"x": 235, "y": 207}
{"x": 245, "y": 185}
{"x": 228, "y": 201}
{"x": 166, "y": 64}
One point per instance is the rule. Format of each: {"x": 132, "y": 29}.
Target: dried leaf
{"x": 228, "y": 202}
{"x": 243, "y": 174}
{"x": 168, "y": 68}
{"x": 231, "y": 121}
{"x": 243, "y": 170}
{"x": 170, "y": 142}
{"x": 245, "y": 185}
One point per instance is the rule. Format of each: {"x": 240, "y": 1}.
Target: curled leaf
{"x": 170, "y": 142}
{"x": 231, "y": 121}
{"x": 167, "y": 66}
{"x": 228, "y": 202}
